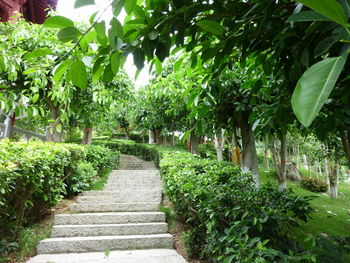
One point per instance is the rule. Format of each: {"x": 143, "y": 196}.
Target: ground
{"x": 331, "y": 216}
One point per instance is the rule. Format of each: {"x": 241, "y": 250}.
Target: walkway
{"x": 119, "y": 224}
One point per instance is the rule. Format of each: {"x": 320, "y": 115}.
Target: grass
{"x": 28, "y": 239}
{"x": 101, "y": 180}
{"x": 331, "y": 216}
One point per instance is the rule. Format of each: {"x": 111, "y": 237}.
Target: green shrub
{"x": 332, "y": 249}
{"x": 36, "y": 175}
{"x": 130, "y": 147}
{"x": 82, "y": 178}
{"x": 137, "y": 137}
{"x": 207, "y": 150}
{"x": 314, "y": 184}
{"x": 230, "y": 220}
{"x": 101, "y": 157}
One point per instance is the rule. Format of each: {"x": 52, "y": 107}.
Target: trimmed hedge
{"x": 143, "y": 151}
{"x": 36, "y": 175}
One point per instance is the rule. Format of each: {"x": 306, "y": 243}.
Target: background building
{"x": 33, "y": 10}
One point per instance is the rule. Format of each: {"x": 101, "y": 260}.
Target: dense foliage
{"x": 227, "y": 214}
{"x": 35, "y": 176}
{"x": 314, "y": 184}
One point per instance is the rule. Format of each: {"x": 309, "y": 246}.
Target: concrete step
{"x": 154, "y": 196}
{"x": 108, "y": 230}
{"x": 109, "y": 218}
{"x": 136, "y": 180}
{"x": 134, "y": 186}
{"x": 103, "y": 243}
{"x": 134, "y": 172}
{"x": 135, "y": 183}
{"x": 139, "y": 193}
{"x": 114, "y": 207}
{"x": 128, "y": 256}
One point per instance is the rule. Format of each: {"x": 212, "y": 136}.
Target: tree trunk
{"x": 345, "y": 139}
{"x": 334, "y": 176}
{"x": 158, "y": 137}
{"x": 283, "y": 155}
{"x": 53, "y": 134}
{"x": 297, "y": 156}
{"x": 194, "y": 139}
{"x": 151, "y": 137}
{"x": 250, "y": 157}
{"x": 266, "y": 155}
{"x": 219, "y": 140}
{"x": 173, "y": 139}
{"x": 87, "y": 139}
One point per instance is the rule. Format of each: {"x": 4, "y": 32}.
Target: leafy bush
{"x": 84, "y": 174}
{"x": 207, "y": 150}
{"x": 332, "y": 249}
{"x": 230, "y": 220}
{"x": 314, "y": 184}
{"x": 101, "y": 157}
{"x": 130, "y": 147}
{"x": 137, "y": 137}
{"x": 36, "y": 175}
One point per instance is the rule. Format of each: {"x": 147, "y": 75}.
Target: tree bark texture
{"x": 87, "y": 139}
{"x": 194, "y": 140}
{"x": 250, "y": 157}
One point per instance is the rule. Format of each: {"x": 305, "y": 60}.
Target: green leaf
{"x": 58, "y": 22}
{"x": 67, "y": 34}
{"x": 29, "y": 71}
{"x": 158, "y": 65}
{"x": 153, "y": 35}
{"x": 304, "y": 16}
{"x": 108, "y": 74}
{"x": 115, "y": 62}
{"x": 329, "y": 8}
{"x": 117, "y": 27}
{"x": 59, "y": 70}
{"x": 78, "y": 74}
{"x": 139, "y": 58}
{"x": 81, "y": 3}
{"x": 129, "y": 6}
{"x": 314, "y": 87}
{"x": 39, "y": 52}
{"x": 35, "y": 98}
{"x": 139, "y": 12}
{"x": 117, "y": 6}
{"x": 100, "y": 28}
{"x": 59, "y": 128}
{"x": 211, "y": 26}
{"x": 86, "y": 40}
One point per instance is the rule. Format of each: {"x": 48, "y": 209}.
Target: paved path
{"x": 120, "y": 224}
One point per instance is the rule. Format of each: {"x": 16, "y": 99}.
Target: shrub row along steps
{"x": 119, "y": 224}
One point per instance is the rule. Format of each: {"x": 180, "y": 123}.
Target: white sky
{"x": 66, "y": 8}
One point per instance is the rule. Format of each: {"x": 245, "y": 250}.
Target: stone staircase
{"x": 120, "y": 224}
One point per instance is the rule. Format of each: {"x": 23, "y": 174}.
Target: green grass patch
{"x": 101, "y": 180}
{"x": 331, "y": 216}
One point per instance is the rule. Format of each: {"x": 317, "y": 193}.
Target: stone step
{"x": 132, "y": 178}
{"x": 108, "y": 230}
{"x": 109, "y": 218}
{"x": 139, "y": 193}
{"x": 128, "y": 256}
{"x": 134, "y": 172}
{"x": 129, "y": 182}
{"x": 154, "y": 196}
{"x": 114, "y": 207}
{"x": 103, "y": 243}
{"x": 134, "y": 186}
